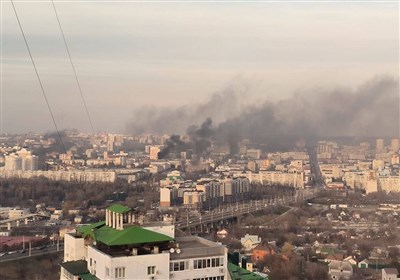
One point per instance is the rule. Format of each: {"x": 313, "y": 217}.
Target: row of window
{"x": 204, "y": 263}
{"x": 120, "y": 272}
{"x": 211, "y": 278}
{"x": 179, "y": 266}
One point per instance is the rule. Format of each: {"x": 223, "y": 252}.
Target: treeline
{"x": 44, "y": 267}
{"x": 260, "y": 191}
{"x": 30, "y": 192}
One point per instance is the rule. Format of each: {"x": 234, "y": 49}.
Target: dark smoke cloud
{"x": 371, "y": 110}
{"x": 222, "y": 105}
{"x": 172, "y": 145}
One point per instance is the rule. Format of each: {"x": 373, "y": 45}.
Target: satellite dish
{"x": 178, "y": 251}
{"x": 172, "y": 250}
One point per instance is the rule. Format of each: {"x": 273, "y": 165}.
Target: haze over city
{"x": 302, "y": 69}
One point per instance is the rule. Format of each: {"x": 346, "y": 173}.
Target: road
{"x": 242, "y": 209}
{"x": 34, "y": 252}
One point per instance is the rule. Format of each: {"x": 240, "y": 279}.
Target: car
{"x": 2, "y": 254}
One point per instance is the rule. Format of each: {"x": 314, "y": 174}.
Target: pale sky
{"x": 129, "y": 55}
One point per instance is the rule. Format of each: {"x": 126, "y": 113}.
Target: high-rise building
{"x": 21, "y": 160}
{"x": 395, "y": 144}
{"x": 13, "y": 162}
{"x": 118, "y": 248}
{"x": 380, "y": 144}
{"x": 154, "y": 150}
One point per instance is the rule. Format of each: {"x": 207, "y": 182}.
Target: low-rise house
{"x": 249, "y": 242}
{"x": 364, "y": 263}
{"x": 262, "y": 250}
{"x": 340, "y": 270}
{"x": 334, "y": 257}
{"x": 351, "y": 260}
{"x": 379, "y": 253}
{"x": 390, "y": 274}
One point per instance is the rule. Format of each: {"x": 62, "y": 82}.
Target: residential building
{"x": 154, "y": 150}
{"x": 118, "y": 248}
{"x": 395, "y": 144}
{"x": 262, "y": 250}
{"x": 249, "y": 242}
{"x": 390, "y": 274}
{"x": 380, "y": 144}
{"x": 254, "y": 153}
{"x": 340, "y": 270}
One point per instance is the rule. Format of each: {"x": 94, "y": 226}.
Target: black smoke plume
{"x": 172, "y": 145}
{"x": 371, "y": 110}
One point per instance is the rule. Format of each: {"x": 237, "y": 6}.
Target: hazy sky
{"x": 129, "y": 55}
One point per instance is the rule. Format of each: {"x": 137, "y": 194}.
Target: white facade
{"x": 133, "y": 267}
{"x": 193, "y": 258}
{"x": 72, "y": 175}
{"x": 74, "y": 248}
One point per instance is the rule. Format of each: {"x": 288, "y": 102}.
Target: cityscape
{"x": 200, "y": 140}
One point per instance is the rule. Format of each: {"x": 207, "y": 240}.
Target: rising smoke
{"x": 371, "y": 110}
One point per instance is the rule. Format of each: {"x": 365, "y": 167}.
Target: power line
{"x": 73, "y": 67}
{"x": 37, "y": 75}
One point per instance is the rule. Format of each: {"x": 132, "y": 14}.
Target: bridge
{"x": 24, "y": 218}
{"x": 236, "y": 210}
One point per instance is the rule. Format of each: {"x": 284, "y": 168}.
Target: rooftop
{"x": 118, "y": 208}
{"x": 132, "y": 235}
{"x": 76, "y": 267}
{"x": 193, "y": 246}
{"x": 238, "y": 273}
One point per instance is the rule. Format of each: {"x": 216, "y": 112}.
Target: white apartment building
{"x": 117, "y": 248}
{"x": 70, "y": 175}
{"x": 21, "y": 160}
{"x": 295, "y": 179}
{"x": 371, "y": 181}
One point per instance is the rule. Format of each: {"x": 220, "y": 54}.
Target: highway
{"x": 24, "y": 217}
{"x": 37, "y": 251}
{"x": 235, "y": 210}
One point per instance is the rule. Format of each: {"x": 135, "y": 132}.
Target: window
{"x": 151, "y": 270}
{"x": 120, "y": 272}
{"x": 107, "y": 271}
{"x": 210, "y": 262}
{"x": 179, "y": 266}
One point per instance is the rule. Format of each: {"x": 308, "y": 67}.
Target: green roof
{"x": 238, "y": 273}
{"x": 76, "y": 267}
{"x": 128, "y": 236}
{"x": 89, "y": 229}
{"x": 118, "y": 208}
